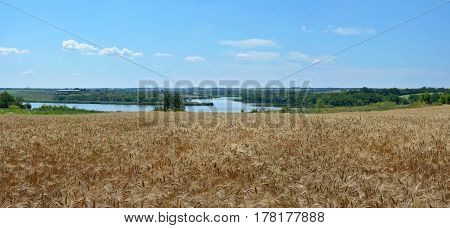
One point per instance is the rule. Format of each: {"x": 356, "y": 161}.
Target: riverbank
{"x": 47, "y": 110}
{"x": 117, "y": 103}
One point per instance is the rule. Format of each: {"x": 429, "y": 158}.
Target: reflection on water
{"x": 223, "y": 104}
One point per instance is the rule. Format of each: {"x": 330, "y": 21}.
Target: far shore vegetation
{"x": 10, "y": 104}
{"x": 380, "y": 106}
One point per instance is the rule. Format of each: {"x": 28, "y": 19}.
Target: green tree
{"x": 320, "y": 103}
{"x": 444, "y": 98}
{"x": 6, "y": 100}
{"x": 167, "y": 105}
{"x": 425, "y": 98}
{"x": 172, "y": 102}
{"x": 435, "y": 98}
{"x": 177, "y": 102}
{"x": 413, "y": 98}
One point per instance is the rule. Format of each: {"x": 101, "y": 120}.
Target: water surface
{"x": 223, "y": 104}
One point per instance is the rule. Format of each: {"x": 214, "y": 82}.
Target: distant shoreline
{"x": 120, "y": 103}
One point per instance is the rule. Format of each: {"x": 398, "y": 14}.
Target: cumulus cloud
{"x": 72, "y": 45}
{"x": 194, "y": 59}
{"x": 353, "y": 31}
{"x": 302, "y": 57}
{"x": 159, "y": 54}
{"x": 121, "y": 52}
{"x": 257, "y": 56}
{"x": 87, "y": 49}
{"x": 28, "y": 73}
{"x": 250, "y": 43}
{"x": 14, "y": 51}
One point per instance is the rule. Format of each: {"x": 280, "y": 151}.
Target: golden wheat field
{"x": 396, "y": 158}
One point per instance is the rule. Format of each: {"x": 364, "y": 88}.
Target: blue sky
{"x": 224, "y": 40}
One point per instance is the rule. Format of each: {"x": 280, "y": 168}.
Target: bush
{"x": 25, "y": 106}
{"x": 50, "y": 109}
{"x": 159, "y": 109}
{"x": 4, "y": 105}
{"x": 260, "y": 110}
{"x": 286, "y": 109}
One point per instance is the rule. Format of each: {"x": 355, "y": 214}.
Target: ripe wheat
{"x": 396, "y": 158}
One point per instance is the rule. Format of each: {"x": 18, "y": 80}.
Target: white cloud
{"x": 343, "y": 31}
{"x": 121, "y": 52}
{"x": 353, "y": 31}
{"x": 257, "y": 56}
{"x": 87, "y": 49}
{"x": 299, "y": 56}
{"x": 305, "y": 29}
{"x": 302, "y": 57}
{"x": 250, "y": 43}
{"x": 28, "y": 73}
{"x": 15, "y": 51}
{"x": 72, "y": 45}
{"x": 159, "y": 54}
{"x": 194, "y": 59}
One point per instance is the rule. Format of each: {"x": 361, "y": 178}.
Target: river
{"x": 223, "y": 105}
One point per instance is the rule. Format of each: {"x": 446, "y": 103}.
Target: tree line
{"x": 112, "y": 96}
{"x": 360, "y": 97}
